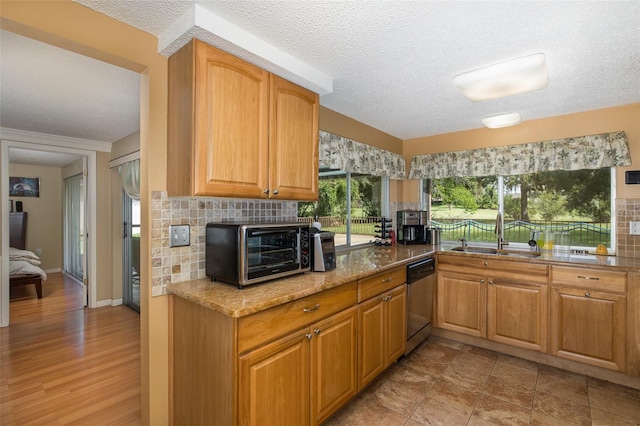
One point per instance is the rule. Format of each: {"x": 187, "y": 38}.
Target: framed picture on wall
{"x": 24, "y": 187}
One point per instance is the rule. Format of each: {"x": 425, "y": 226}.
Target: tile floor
{"x": 449, "y": 383}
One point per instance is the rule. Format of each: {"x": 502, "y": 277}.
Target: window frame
{"x": 425, "y": 202}
{"x": 384, "y": 202}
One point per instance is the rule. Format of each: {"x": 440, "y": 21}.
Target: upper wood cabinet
{"x": 235, "y": 130}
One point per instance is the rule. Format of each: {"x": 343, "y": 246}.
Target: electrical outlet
{"x": 179, "y": 235}
{"x": 634, "y": 228}
{"x": 38, "y": 252}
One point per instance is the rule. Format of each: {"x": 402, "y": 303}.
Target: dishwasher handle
{"x": 421, "y": 269}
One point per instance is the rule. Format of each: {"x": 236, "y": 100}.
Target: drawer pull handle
{"x": 584, "y": 277}
{"x": 311, "y": 309}
{"x": 387, "y": 298}
{"x": 587, "y": 294}
{"x": 386, "y": 280}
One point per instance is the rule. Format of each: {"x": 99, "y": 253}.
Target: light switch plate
{"x": 179, "y": 235}
{"x": 634, "y": 228}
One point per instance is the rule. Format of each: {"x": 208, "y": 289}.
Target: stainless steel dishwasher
{"x": 420, "y": 285}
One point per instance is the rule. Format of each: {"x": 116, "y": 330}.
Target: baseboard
{"x": 103, "y": 303}
{"x": 108, "y": 302}
{"x": 52, "y": 270}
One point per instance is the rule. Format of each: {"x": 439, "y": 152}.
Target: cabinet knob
{"x": 311, "y": 309}
{"x": 317, "y": 331}
{"x": 309, "y": 336}
{"x": 481, "y": 281}
{"x": 486, "y": 263}
{"x": 266, "y": 191}
{"x": 490, "y": 282}
{"x": 587, "y": 294}
{"x": 275, "y": 192}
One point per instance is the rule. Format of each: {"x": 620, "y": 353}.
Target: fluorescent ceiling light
{"x": 504, "y": 79}
{"x": 504, "y": 120}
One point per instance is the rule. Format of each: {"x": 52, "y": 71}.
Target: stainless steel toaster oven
{"x": 245, "y": 254}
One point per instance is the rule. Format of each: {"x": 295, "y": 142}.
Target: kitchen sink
{"x": 499, "y": 252}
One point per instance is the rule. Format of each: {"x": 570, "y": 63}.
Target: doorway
{"x": 91, "y": 223}
{"x": 131, "y": 252}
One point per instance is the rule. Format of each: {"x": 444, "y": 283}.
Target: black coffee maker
{"x": 413, "y": 227}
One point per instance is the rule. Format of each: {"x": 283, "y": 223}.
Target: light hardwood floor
{"x": 62, "y": 364}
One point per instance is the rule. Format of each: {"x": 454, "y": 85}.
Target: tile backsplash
{"x": 177, "y": 264}
{"x": 627, "y": 210}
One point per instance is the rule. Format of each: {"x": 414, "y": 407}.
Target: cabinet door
{"x": 231, "y": 126}
{"x": 371, "y": 329}
{"x": 274, "y": 383}
{"x": 395, "y": 324}
{"x": 293, "y": 142}
{"x": 589, "y": 326}
{"x": 462, "y": 303}
{"x": 517, "y": 314}
{"x": 333, "y": 364}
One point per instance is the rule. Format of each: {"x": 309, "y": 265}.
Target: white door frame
{"x": 39, "y": 142}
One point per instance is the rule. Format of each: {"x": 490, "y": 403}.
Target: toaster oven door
{"x": 271, "y": 252}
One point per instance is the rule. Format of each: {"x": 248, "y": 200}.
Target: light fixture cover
{"x": 505, "y": 78}
{"x": 503, "y": 120}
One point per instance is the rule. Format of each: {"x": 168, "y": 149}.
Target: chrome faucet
{"x": 498, "y": 232}
{"x": 463, "y": 240}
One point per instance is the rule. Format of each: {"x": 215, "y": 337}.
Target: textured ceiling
{"x": 50, "y": 90}
{"x": 392, "y": 62}
{"x": 41, "y": 158}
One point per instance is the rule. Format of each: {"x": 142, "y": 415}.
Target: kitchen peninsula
{"x": 312, "y": 331}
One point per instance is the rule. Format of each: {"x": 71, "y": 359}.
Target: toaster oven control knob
{"x": 305, "y": 244}
{"x": 304, "y": 259}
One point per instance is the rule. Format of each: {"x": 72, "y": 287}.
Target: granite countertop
{"x": 352, "y": 265}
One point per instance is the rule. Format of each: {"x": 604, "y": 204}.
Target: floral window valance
{"x": 583, "y": 152}
{"x": 338, "y": 152}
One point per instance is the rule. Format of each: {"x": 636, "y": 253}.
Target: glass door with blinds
{"x": 75, "y": 247}
{"x": 131, "y": 252}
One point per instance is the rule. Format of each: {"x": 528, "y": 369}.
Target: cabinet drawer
{"x": 264, "y": 326}
{"x": 379, "y": 283}
{"x": 594, "y": 279}
{"x": 535, "y": 273}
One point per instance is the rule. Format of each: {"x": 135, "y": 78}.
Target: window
{"x": 577, "y": 204}
{"x": 349, "y": 204}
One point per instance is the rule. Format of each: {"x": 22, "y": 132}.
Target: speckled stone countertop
{"x": 351, "y": 265}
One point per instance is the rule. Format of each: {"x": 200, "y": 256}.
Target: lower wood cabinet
{"x": 517, "y": 314}
{"x": 293, "y": 364}
{"x": 302, "y": 378}
{"x": 382, "y": 325}
{"x": 503, "y": 301}
{"x": 274, "y": 383}
{"x": 589, "y": 316}
{"x": 461, "y": 303}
